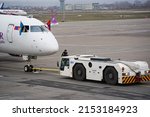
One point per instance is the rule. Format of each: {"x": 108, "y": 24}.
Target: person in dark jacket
{"x": 65, "y": 53}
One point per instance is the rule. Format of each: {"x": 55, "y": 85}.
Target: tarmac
{"x": 117, "y": 39}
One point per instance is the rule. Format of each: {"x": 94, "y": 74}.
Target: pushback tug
{"x": 82, "y": 67}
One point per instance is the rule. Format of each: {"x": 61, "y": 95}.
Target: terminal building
{"x": 69, "y": 7}
{"x": 78, "y": 7}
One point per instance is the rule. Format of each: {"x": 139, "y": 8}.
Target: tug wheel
{"x": 79, "y": 72}
{"x": 110, "y": 75}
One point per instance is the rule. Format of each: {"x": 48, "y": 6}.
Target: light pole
{"x": 62, "y": 8}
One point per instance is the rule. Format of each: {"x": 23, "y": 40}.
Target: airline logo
{"x": 16, "y": 27}
{"x": 1, "y": 38}
{"x": 19, "y": 28}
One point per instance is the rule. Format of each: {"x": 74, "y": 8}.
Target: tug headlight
{"x": 147, "y": 72}
{"x": 126, "y": 74}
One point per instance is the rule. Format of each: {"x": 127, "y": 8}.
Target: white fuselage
{"x": 35, "y": 41}
{"x": 12, "y": 12}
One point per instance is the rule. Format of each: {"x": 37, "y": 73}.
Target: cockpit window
{"x": 39, "y": 29}
{"x": 45, "y": 28}
{"x": 25, "y": 28}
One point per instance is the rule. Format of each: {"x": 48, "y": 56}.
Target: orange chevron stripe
{"x": 146, "y": 78}
{"x": 131, "y": 79}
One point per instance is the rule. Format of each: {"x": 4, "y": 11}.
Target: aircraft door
{"x": 10, "y": 33}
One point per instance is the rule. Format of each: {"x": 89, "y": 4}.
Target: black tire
{"x": 79, "y": 72}
{"x": 31, "y": 68}
{"x": 110, "y": 75}
{"x": 26, "y": 68}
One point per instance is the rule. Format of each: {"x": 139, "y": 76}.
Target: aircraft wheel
{"x": 31, "y": 68}
{"x": 28, "y": 68}
{"x": 79, "y": 72}
{"x": 110, "y": 75}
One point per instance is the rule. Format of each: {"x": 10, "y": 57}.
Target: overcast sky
{"x": 56, "y": 2}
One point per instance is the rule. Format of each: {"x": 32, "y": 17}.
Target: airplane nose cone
{"x": 54, "y": 46}
{"x": 49, "y": 45}
{"x": 49, "y": 48}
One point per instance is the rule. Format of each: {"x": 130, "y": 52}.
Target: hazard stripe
{"x": 123, "y": 79}
{"x": 146, "y": 78}
{"x": 132, "y": 79}
{"x": 128, "y": 79}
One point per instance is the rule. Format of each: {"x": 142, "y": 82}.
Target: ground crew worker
{"x": 65, "y": 53}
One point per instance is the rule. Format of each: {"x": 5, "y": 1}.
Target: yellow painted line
{"x": 42, "y": 69}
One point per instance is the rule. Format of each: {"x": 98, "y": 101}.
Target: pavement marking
{"x": 50, "y": 70}
{"x": 40, "y": 69}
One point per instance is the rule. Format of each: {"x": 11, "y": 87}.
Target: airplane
{"x": 27, "y": 37}
{"x": 11, "y": 11}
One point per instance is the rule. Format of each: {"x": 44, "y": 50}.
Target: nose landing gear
{"x": 29, "y": 67}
